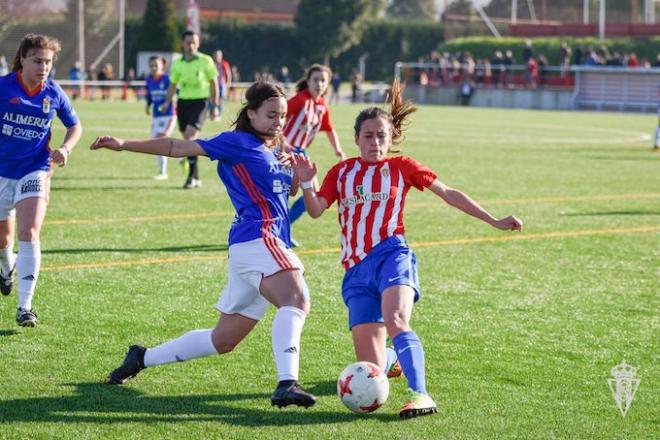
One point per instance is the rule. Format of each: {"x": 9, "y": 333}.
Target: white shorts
{"x": 249, "y": 263}
{"x": 162, "y": 125}
{"x": 12, "y": 191}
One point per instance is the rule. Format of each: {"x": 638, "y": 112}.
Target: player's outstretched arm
{"x": 305, "y": 171}
{"x": 159, "y": 146}
{"x": 336, "y": 146}
{"x": 462, "y": 201}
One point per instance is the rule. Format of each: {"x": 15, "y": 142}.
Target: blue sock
{"x": 297, "y": 209}
{"x": 411, "y": 357}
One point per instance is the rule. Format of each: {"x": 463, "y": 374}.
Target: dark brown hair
{"x": 34, "y": 41}
{"x": 255, "y": 96}
{"x": 302, "y": 82}
{"x": 397, "y": 116}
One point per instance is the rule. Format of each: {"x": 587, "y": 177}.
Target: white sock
{"x": 391, "y": 358}
{"x": 287, "y": 328}
{"x": 162, "y": 164}
{"x": 192, "y": 345}
{"x": 28, "y": 263}
{"x": 7, "y": 258}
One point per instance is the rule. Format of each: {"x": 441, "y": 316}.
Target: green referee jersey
{"x": 192, "y": 76}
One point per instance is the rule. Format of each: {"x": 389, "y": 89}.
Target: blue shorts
{"x": 390, "y": 263}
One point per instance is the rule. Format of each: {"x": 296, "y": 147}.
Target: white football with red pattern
{"x": 363, "y": 387}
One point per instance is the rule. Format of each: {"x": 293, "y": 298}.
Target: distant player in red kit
{"x": 307, "y": 114}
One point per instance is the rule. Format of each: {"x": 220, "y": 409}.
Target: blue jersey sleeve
{"x": 65, "y": 111}
{"x": 230, "y": 144}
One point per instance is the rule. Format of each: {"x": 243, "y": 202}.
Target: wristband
{"x": 307, "y": 185}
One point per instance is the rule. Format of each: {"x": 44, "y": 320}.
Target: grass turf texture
{"x": 520, "y": 330}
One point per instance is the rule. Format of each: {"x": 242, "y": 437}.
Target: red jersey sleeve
{"x": 326, "y": 122}
{"x": 415, "y": 174}
{"x": 328, "y": 188}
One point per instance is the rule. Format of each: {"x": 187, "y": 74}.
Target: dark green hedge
{"x": 484, "y": 47}
{"x": 252, "y": 47}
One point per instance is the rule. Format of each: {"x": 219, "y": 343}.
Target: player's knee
{"x": 28, "y": 234}
{"x": 396, "y": 322}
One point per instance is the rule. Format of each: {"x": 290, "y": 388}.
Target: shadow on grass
{"x": 8, "y": 332}
{"x": 100, "y": 403}
{"x": 175, "y": 249}
{"x": 601, "y": 213}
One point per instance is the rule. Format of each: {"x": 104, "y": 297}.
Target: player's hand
{"x": 510, "y": 223}
{"x": 163, "y": 107}
{"x": 60, "y": 156}
{"x": 341, "y": 155}
{"x": 304, "y": 168}
{"x": 148, "y": 110}
{"x": 109, "y": 142}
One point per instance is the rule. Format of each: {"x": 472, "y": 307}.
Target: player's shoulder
{"x": 53, "y": 89}
{"x": 240, "y": 139}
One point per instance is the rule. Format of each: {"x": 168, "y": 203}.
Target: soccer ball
{"x": 363, "y": 387}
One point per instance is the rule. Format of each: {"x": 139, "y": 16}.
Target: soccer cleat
{"x": 6, "y": 283}
{"x": 289, "y": 392}
{"x": 132, "y": 365}
{"x": 418, "y": 404}
{"x": 26, "y": 318}
{"x": 395, "y": 370}
{"x": 192, "y": 183}
{"x": 161, "y": 176}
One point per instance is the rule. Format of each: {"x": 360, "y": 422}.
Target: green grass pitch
{"x": 520, "y": 330}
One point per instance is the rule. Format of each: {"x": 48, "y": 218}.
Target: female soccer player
{"x": 29, "y": 102}
{"x": 381, "y": 282}
{"x": 163, "y": 122}
{"x": 262, "y": 267}
{"x": 308, "y": 113}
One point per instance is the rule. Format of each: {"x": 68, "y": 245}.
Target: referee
{"x": 196, "y": 77}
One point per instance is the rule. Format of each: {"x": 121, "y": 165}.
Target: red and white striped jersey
{"x": 370, "y": 199}
{"x": 306, "y": 117}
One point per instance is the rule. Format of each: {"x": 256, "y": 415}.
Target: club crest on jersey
{"x": 385, "y": 172}
{"x": 360, "y": 190}
{"x": 45, "y": 105}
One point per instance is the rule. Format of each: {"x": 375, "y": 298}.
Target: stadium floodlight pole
{"x": 81, "y": 34}
{"x": 532, "y": 11}
{"x": 585, "y": 11}
{"x": 514, "y": 11}
{"x": 122, "y": 16}
{"x": 601, "y": 20}
{"x": 486, "y": 20}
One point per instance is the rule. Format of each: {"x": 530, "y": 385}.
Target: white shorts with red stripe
{"x": 162, "y": 126}
{"x": 249, "y": 263}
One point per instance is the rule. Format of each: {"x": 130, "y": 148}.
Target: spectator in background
{"x": 356, "y": 84}
{"x": 76, "y": 74}
{"x": 4, "y": 67}
{"x": 497, "y": 66}
{"x": 224, "y": 82}
{"x": 465, "y": 90}
{"x": 284, "y": 77}
{"x": 107, "y": 73}
{"x": 527, "y": 51}
{"x": 614, "y": 60}
{"x": 542, "y": 63}
{"x": 531, "y": 73}
{"x": 632, "y": 60}
{"x": 235, "y": 78}
{"x": 578, "y": 54}
{"x": 336, "y": 84}
{"x": 508, "y": 68}
{"x": 564, "y": 59}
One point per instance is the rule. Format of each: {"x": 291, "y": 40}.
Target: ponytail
{"x": 398, "y": 115}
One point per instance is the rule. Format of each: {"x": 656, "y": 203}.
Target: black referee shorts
{"x": 191, "y": 112}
